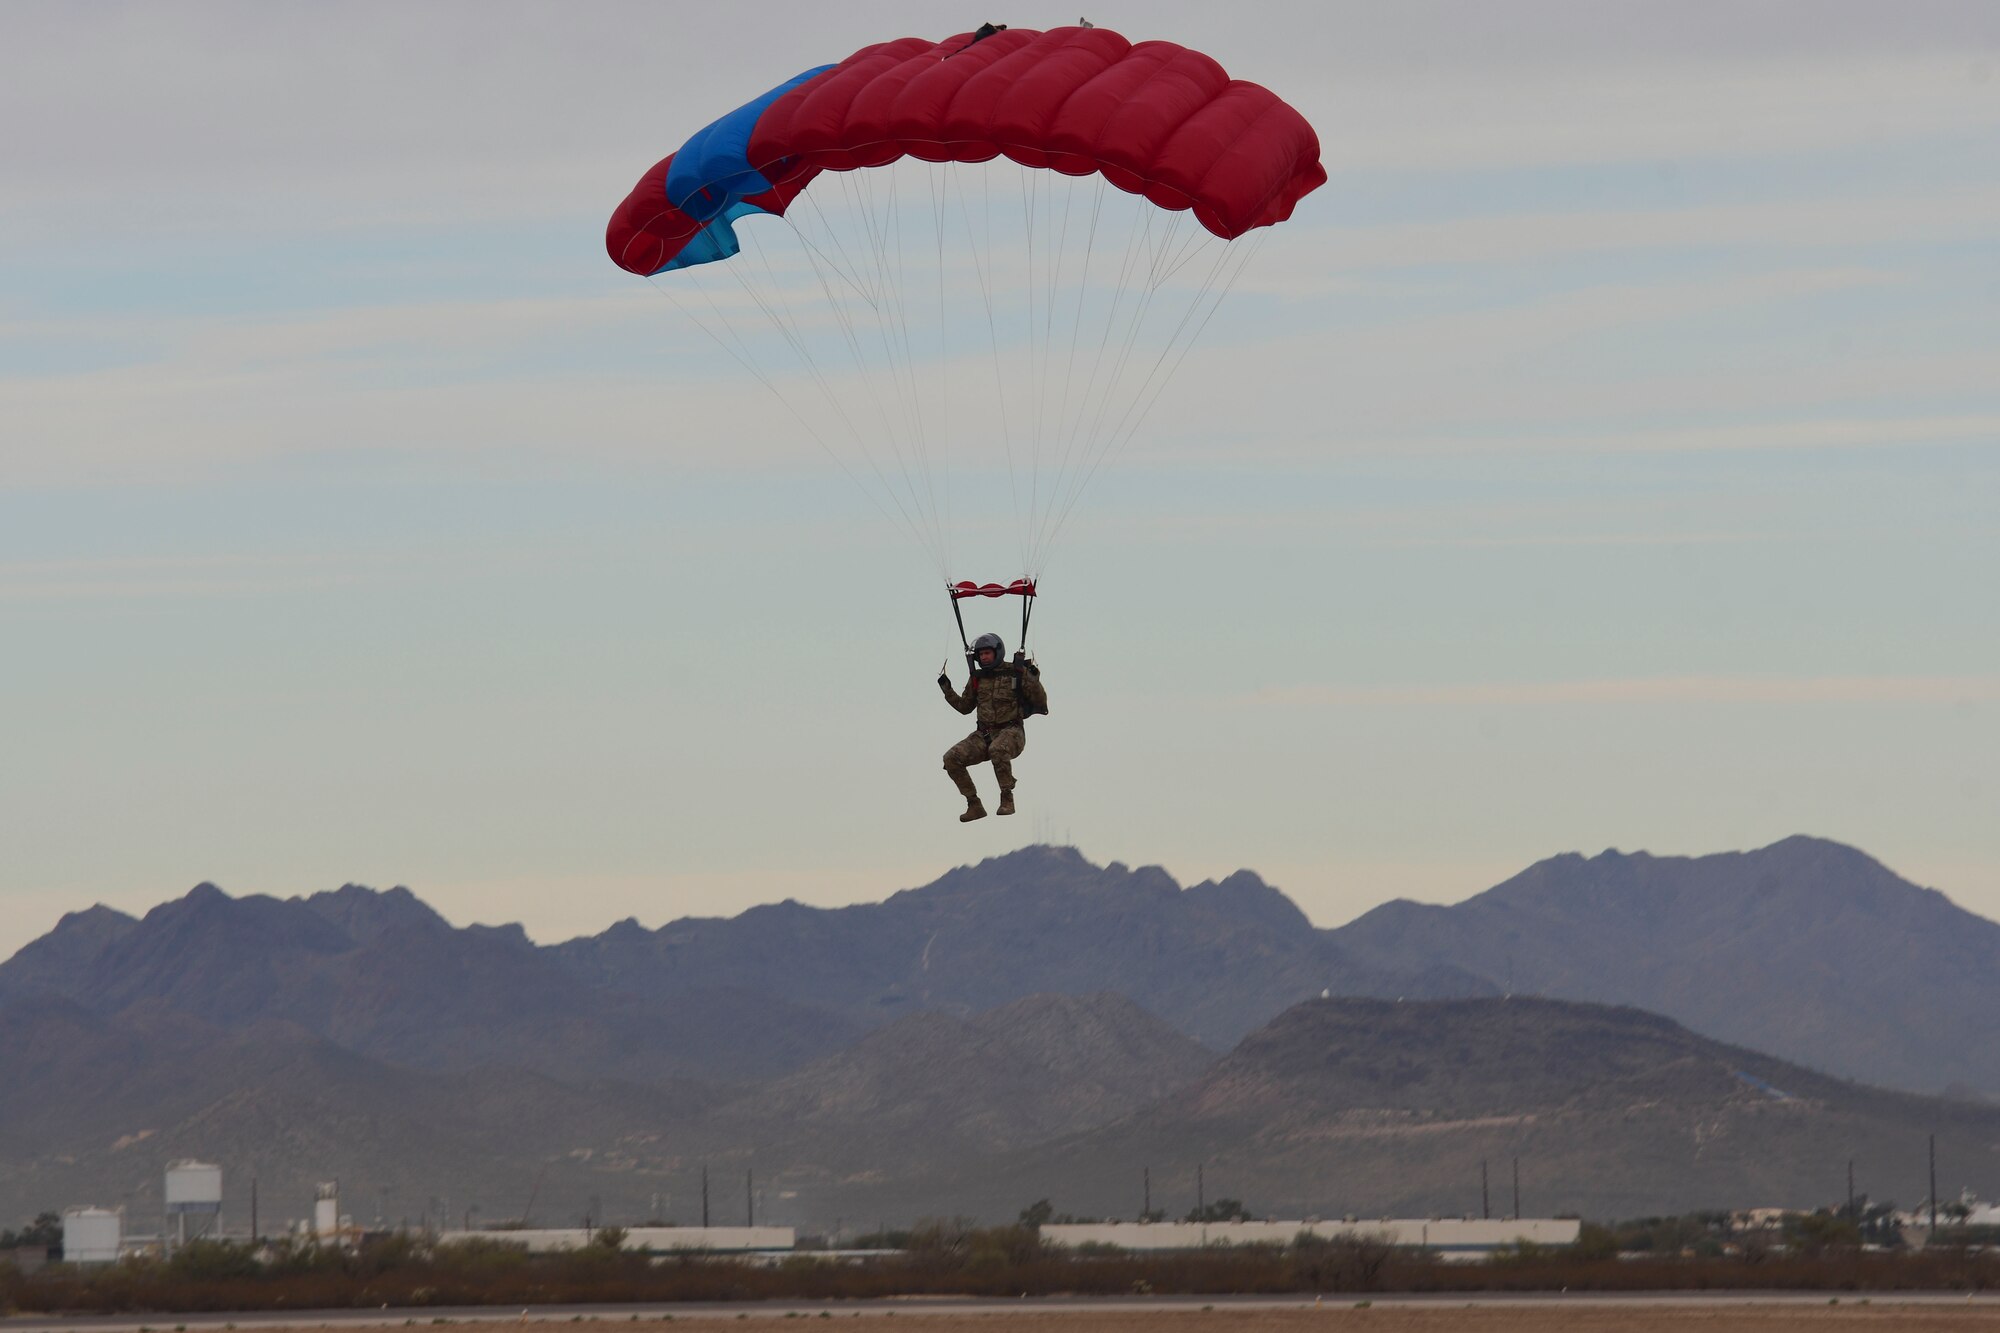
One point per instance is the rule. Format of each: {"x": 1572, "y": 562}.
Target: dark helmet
{"x": 990, "y": 641}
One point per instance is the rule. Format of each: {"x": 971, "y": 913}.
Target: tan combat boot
{"x": 1006, "y": 802}
{"x": 963, "y": 781}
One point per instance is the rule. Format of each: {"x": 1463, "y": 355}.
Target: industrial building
{"x": 646, "y": 1240}
{"x": 1447, "y": 1237}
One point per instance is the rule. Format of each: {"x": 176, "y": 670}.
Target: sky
{"x": 1607, "y": 456}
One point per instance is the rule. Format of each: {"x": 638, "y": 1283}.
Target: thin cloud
{"x": 1825, "y": 433}
{"x": 153, "y": 577}
{"x": 1794, "y": 224}
{"x": 1928, "y": 690}
{"x": 1620, "y": 108}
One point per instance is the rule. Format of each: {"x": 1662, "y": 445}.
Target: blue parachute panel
{"x": 715, "y": 241}
{"x": 712, "y": 170}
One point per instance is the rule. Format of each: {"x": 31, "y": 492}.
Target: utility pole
{"x": 253, "y": 1210}
{"x": 1853, "y": 1213}
{"x": 1485, "y": 1209}
{"x": 749, "y": 1199}
{"x": 1200, "y": 1195}
{"x": 1517, "y": 1188}
{"x": 1146, "y": 1210}
{"x": 704, "y": 1195}
{"x": 1928, "y": 1239}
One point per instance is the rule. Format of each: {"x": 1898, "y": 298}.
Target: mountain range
{"x": 1033, "y": 1018}
{"x": 1807, "y": 948}
{"x": 1385, "y": 1108}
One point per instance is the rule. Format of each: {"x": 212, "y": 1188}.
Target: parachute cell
{"x": 1154, "y": 119}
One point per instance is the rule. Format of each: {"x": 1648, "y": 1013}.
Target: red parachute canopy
{"x": 1153, "y": 118}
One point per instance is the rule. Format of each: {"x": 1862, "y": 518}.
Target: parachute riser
{"x": 1025, "y": 589}
{"x": 956, "y": 614}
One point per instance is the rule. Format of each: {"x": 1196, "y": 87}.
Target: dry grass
{"x": 1346, "y": 1316}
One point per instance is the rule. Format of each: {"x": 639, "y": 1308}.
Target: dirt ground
{"x": 1346, "y": 1316}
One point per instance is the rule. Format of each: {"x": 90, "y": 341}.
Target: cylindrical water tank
{"x": 194, "y": 1187}
{"x": 326, "y": 1209}
{"x": 92, "y": 1235}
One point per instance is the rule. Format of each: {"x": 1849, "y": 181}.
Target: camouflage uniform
{"x": 997, "y": 697}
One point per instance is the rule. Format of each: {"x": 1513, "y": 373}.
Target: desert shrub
{"x": 1341, "y": 1263}
{"x": 1594, "y": 1242}
{"x": 210, "y": 1260}
{"x": 948, "y": 1257}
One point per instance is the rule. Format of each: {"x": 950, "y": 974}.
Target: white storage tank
{"x": 194, "y": 1187}
{"x": 92, "y": 1235}
{"x": 326, "y": 1208}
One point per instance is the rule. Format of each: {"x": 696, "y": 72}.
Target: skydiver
{"x": 1004, "y": 695}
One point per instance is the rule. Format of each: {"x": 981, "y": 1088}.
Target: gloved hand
{"x": 944, "y": 674}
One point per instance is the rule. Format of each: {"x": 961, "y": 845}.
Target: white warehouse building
{"x": 1449, "y": 1237}
{"x": 653, "y": 1240}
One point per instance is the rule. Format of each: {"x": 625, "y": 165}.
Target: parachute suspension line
{"x": 1135, "y": 412}
{"x": 910, "y": 366}
{"x": 1035, "y": 425}
{"x": 781, "y": 320}
{"x": 1138, "y": 242}
{"x": 1044, "y": 335}
{"x": 864, "y": 243}
{"x": 935, "y": 182}
{"x": 861, "y": 192}
{"x": 1152, "y": 249}
{"x": 847, "y": 325}
{"x": 1099, "y": 441}
{"x": 979, "y": 266}
{"x": 844, "y": 268}
{"x": 756, "y": 373}
{"x": 877, "y": 224}
{"x": 838, "y": 304}
{"x": 866, "y": 308}
{"x": 1118, "y": 446}
{"x": 1106, "y": 443}
{"x": 1066, "y": 437}
{"x": 1134, "y": 243}
{"x": 1073, "y": 422}
{"x": 1190, "y": 251}
{"x": 1058, "y": 252}
{"x": 898, "y": 347}
{"x": 778, "y": 313}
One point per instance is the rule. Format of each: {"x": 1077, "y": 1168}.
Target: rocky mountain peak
{"x": 366, "y": 914}
{"x": 1245, "y": 894}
